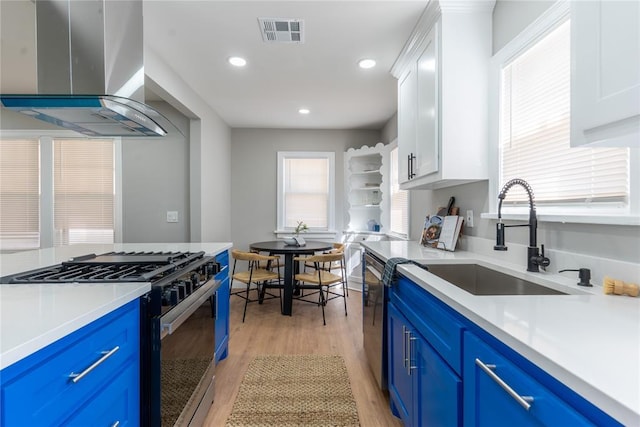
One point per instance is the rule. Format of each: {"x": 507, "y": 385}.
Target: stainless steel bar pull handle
{"x": 411, "y": 367}
{"x": 116, "y": 424}
{"x": 105, "y": 355}
{"x": 404, "y": 346}
{"x": 524, "y": 401}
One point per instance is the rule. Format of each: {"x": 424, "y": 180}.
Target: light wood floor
{"x": 266, "y": 331}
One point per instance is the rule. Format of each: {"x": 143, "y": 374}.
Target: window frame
{"x": 313, "y": 232}
{"x": 393, "y": 146}
{"x": 630, "y": 215}
{"x": 46, "y": 138}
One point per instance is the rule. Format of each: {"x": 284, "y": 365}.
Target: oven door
{"x": 374, "y": 296}
{"x": 187, "y": 349}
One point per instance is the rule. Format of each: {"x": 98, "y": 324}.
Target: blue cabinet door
{"x": 439, "y": 388}
{"x": 221, "y": 302}
{"x": 221, "y": 307}
{"x": 400, "y": 381}
{"x": 487, "y": 403}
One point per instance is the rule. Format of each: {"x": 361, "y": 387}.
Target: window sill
{"x": 309, "y": 235}
{"x": 569, "y": 219}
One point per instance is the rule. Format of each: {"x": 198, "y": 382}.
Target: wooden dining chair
{"x": 262, "y": 277}
{"x": 326, "y": 284}
{"x": 338, "y": 248}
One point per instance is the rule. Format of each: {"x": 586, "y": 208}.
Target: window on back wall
{"x": 306, "y": 190}
{"x": 19, "y": 194}
{"x": 534, "y": 132}
{"x": 56, "y": 192}
{"x": 83, "y": 189}
{"x": 399, "y": 210}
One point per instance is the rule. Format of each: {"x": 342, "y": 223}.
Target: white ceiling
{"x": 197, "y": 37}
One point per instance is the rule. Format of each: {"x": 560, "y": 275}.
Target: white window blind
{"x": 534, "y": 133}
{"x": 399, "y": 210}
{"x": 83, "y": 191}
{"x": 19, "y": 194}
{"x": 306, "y": 192}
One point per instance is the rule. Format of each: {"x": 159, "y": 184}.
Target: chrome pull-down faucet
{"x": 535, "y": 259}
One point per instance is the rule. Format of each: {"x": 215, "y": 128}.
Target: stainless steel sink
{"x": 479, "y": 280}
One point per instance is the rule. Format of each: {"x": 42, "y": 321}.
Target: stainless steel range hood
{"x": 90, "y": 69}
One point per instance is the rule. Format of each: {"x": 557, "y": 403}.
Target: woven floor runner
{"x": 295, "y": 390}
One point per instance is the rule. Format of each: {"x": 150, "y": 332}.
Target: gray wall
{"x": 510, "y": 17}
{"x": 155, "y": 179}
{"x": 254, "y": 174}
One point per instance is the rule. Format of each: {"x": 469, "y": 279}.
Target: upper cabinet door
{"x": 406, "y": 124}
{"x": 605, "y": 73}
{"x": 427, "y": 139}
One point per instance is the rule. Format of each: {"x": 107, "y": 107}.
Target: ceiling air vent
{"x": 277, "y": 30}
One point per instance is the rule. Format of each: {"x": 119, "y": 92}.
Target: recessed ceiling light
{"x": 237, "y": 61}
{"x": 366, "y": 63}
{"x": 304, "y": 111}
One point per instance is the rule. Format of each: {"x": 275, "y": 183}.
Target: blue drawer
{"x": 223, "y": 260}
{"x": 441, "y": 328}
{"x": 37, "y": 391}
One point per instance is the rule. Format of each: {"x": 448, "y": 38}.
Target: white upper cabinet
{"x": 442, "y": 96}
{"x": 605, "y": 73}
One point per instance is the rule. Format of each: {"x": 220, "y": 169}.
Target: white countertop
{"x": 34, "y": 316}
{"x": 589, "y": 341}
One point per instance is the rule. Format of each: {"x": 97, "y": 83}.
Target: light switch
{"x": 172, "y": 216}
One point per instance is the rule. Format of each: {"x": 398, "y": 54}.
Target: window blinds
{"x": 399, "y": 211}
{"x": 19, "y": 194}
{"x": 534, "y": 132}
{"x": 83, "y": 191}
{"x": 306, "y": 192}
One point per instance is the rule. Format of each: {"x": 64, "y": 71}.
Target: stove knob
{"x": 188, "y": 286}
{"x": 173, "y": 297}
{"x": 195, "y": 280}
{"x": 182, "y": 290}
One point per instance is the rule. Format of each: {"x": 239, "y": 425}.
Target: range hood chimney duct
{"x": 90, "y": 67}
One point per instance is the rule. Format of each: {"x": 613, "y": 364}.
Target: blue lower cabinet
{"x": 77, "y": 378}
{"x": 440, "y": 389}
{"x": 424, "y": 390}
{"x": 221, "y": 307}
{"x": 499, "y": 393}
{"x": 400, "y": 381}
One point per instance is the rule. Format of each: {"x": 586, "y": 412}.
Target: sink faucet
{"x": 535, "y": 259}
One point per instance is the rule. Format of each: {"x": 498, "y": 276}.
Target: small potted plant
{"x": 296, "y": 240}
{"x": 301, "y": 227}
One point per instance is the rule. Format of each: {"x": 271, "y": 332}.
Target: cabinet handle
{"x": 404, "y": 346}
{"x": 116, "y": 424}
{"x": 411, "y": 367}
{"x": 412, "y": 157}
{"x": 524, "y": 401}
{"x": 106, "y": 354}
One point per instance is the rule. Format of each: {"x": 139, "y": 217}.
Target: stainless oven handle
{"x": 181, "y": 312}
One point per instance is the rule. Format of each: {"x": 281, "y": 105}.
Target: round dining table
{"x": 279, "y": 247}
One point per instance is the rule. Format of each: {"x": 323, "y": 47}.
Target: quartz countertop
{"x": 587, "y": 340}
{"x": 36, "y": 315}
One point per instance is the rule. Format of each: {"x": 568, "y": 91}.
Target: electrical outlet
{"x": 172, "y": 216}
{"x": 469, "y": 218}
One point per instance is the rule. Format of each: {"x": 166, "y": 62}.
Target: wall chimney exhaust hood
{"x": 90, "y": 70}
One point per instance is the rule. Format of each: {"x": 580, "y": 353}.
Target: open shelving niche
{"x": 367, "y": 199}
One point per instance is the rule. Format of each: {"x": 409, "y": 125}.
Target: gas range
{"x": 179, "y": 308}
{"x": 110, "y": 267}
